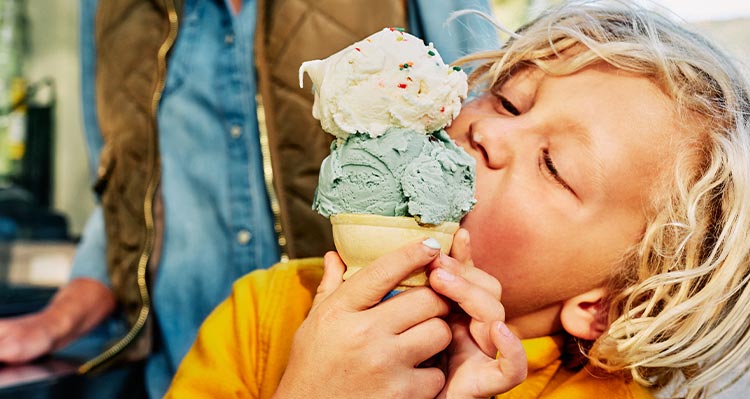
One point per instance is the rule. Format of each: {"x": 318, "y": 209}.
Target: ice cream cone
{"x": 361, "y": 238}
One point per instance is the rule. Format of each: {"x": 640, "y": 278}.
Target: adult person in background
{"x": 175, "y": 147}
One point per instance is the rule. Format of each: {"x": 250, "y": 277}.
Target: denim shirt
{"x": 453, "y": 36}
{"x": 218, "y": 224}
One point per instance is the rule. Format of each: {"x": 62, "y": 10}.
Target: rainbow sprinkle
{"x": 406, "y": 65}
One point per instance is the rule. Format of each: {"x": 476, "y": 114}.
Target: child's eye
{"x": 508, "y": 106}
{"x": 550, "y": 168}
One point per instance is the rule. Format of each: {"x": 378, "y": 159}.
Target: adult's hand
{"x": 352, "y": 345}
{"x": 76, "y": 308}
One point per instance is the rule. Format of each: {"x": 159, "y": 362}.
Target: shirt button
{"x": 243, "y": 237}
{"x": 229, "y": 39}
{"x": 235, "y": 131}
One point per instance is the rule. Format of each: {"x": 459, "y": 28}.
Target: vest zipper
{"x": 145, "y": 310}
{"x": 265, "y": 150}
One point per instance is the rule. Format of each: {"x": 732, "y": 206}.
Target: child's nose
{"x": 496, "y": 142}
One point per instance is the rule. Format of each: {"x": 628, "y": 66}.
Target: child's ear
{"x": 585, "y": 316}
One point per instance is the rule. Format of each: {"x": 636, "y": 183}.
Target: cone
{"x": 361, "y": 238}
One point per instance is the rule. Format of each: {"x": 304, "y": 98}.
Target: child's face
{"x": 607, "y": 134}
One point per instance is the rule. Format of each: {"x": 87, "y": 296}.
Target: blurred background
{"x": 725, "y": 21}
{"x": 44, "y": 178}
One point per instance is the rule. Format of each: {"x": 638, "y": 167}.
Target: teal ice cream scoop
{"x": 399, "y": 173}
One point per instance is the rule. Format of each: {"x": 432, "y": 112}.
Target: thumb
{"x": 333, "y": 276}
{"x": 461, "y": 248}
{"x": 510, "y": 367}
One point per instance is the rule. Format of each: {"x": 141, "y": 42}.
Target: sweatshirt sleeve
{"x": 221, "y": 362}
{"x": 243, "y": 347}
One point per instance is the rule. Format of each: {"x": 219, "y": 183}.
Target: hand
{"x": 75, "y": 309}
{"x": 484, "y": 358}
{"x": 26, "y": 337}
{"x": 352, "y": 345}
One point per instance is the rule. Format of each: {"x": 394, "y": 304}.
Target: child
{"x": 610, "y": 235}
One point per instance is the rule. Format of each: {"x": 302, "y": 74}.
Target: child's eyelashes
{"x": 549, "y": 167}
{"x": 507, "y": 105}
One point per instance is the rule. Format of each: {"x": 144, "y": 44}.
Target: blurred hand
{"x": 352, "y": 345}
{"x": 484, "y": 357}
{"x": 26, "y": 337}
{"x": 74, "y": 310}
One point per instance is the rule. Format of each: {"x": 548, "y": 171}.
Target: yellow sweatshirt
{"x": 243, "y": 346}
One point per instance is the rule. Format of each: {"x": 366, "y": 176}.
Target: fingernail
{"x": 503, "y": 329}
{"x": 444, "y": 274}
{"x": 431, "y": 243}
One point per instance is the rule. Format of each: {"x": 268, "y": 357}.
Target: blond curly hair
{"x": 681, "y": 300}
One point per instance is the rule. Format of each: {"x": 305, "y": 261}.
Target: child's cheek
{"x": 500, "y": 244}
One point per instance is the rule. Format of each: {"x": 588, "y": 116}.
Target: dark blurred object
{"x": 33, "y": 222}
{"x": 36, "y": 166}
{"x": 55, "y": 377}
{"x": 8, "y": 232}
{"x": 26, "y": 201}
{"x": 35, "y": 172}
{"x": 16, "y": 299}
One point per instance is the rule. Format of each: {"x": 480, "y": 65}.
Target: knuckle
{"x": 519, "y": 375}
{"x": 416, "y": 253}
{"x": 496, "y": 288}
{"x": 360, "y": 332}
{"x": 378, "y": 360}
{"x": 399, "y": 388}
{"x": 380, "y": 272}
{"x": 442, "y": 334}
{"x": 501, "y": 310}
{"x": 325, "y": 315}
{"x": 517, "y": 372}
{"x": 431, "y": 385}
{"x": 427, "y": 298}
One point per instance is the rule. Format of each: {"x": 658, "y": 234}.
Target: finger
{"x": 373, "y": 282}
{"x": 424, "y": 340}
{"x": 478, "y": 303}
{"x": 470, "y": 273}
{"x": 460, "y": 262}
{"x": 509, "y": 369}
{"x": 461, "y": 248}
{"x": 20, "y": 349}
{"x": 333, "y": 276}
{"x": 426, "y": 382}
{"x": 410, "y": 308}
